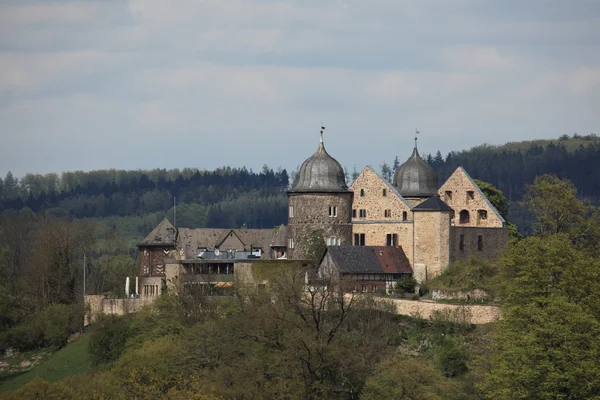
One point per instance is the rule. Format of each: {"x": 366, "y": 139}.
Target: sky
{"x": 145, "y": 84}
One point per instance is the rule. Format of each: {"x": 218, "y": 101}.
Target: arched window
{"x": 464, "y": 217}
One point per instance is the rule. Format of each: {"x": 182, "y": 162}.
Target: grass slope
{"x": 71, "y": 360}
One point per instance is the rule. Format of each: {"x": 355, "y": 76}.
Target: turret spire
{"x": 416, "y": 133}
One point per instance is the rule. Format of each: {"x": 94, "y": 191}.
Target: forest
{"x": 287, "y": 341}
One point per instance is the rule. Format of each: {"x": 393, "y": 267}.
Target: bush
{"x": 450, "y": 357}
{"x": 52, "y": 326}
{"x": 406, "y": 285}
{"x": 108, "y": 341}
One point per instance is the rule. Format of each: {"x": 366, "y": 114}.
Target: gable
{"x": 463, "y": 195}
{"x": 230, "y": 241}
{"x": 376, "y": 195}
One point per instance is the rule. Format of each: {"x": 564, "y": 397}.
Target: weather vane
{"x": 416, "y": 133}
{"x": 322, "y": 130}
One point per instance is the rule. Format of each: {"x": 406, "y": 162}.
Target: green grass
{"x": 71, "y": 360}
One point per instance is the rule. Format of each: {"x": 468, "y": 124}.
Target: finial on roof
{"x": 416, "y": 133}
{"x": 322, "y": 130}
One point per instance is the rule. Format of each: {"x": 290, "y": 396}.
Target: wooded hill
{"x": 133, "y": 201}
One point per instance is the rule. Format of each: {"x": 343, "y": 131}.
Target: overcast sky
{"x": 206, "y": 83}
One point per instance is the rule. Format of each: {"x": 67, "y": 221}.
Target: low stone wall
{"x": 476, "y": 294}
{"x": 98, "y": 304}
{"x": 426, "y": 308}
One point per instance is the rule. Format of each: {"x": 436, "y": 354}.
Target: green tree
{"x": 546, "y": 345}
{"x": 399, "y": 378}
{"x": 554, "y": 204}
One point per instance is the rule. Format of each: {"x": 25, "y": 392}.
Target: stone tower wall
{"x": 432, "y": 241}
{"x": 311, "y": 212}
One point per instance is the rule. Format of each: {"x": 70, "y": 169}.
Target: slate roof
{"x": 433, "y": 203}
{"x": 321, "y": 173}
{"x": 416, "y": 178}
{"x": 164, "y": 234}
{"x": 370, "y": 259}
{"x": 190, "y": 239}
{"x": 280, "y": 238}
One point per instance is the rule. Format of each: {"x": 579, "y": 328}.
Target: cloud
{"x": 114, "y": 76}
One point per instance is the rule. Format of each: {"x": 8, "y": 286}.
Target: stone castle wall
{"x": 494, "y": 241}
{"x": 426, "y": 309}
{"x": 455, "y": 193}
{"x": 311, "y": 212}
{"x": 97, "y": 305}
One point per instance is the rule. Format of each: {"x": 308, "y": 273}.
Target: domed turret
{"x": 416, "y": 178}
{"x": 321, "y": 173}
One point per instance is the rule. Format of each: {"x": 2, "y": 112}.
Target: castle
{"x": 428, "y": 226}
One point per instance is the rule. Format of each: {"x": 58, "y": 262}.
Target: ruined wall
{"x": 454, "y": 192}
{"x": 494, "y": 241}
{"x": 432, "y": 241}
{"x": 97, "y": 305}
{"x": 311, "y": 212}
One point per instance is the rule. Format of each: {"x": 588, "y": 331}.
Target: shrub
{"x": 108, "y": 340}
{"x": 406, "y": 285}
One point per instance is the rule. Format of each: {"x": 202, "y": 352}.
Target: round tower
{"x": 320, "y": 203}
{"x": 416, "y": 180}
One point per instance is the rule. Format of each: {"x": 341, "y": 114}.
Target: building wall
{"x": 432, "y": 241}
{"x": 311, "y": 212}
{"x": 459, "y": 184}
{"x": 150, "y": 286}
{"x": 494, "y": 242}
{"x": 374, "y": 201}
{"x": 375, "y": 234}
{"x": 152, "y": 260}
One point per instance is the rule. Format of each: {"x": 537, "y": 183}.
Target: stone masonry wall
{"x": 374, "y": 201}
{"x": 425, "y": 309}
{"x": 311, "y": 212}
{"x": 375, "y": 234}
{"x": 494, "y": 242}
{"x": 432, "y": 240}
{"x": 458, "y": 185}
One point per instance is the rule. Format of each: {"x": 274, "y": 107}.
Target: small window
{"x": 384, "y": 192}
{"x": 448, "y": 194}
{"x": 480, "y": 242}
{"x": 404, "y": 215}
{"x": 362, "y": 213}
{"x": 482, "y": 214}
{"x": 461, "y": 244}
{"x": 470, "y": 195}
{"x": 374, "y": 288}
{"x": 333, "y": 241}
{"x": 291, "y": 243}
{"x": 291, "y": 213}
{"x": 362, "y": 192}
{"x": 391, "y": 239}
{"x": 387, "y": 213}
{"x": 359, "y": 239}
{"x": 354, "y": 213}
{"x": 464, "y": 217}
{"x": 365, "y": 288}
{"x": 332, "y": 211}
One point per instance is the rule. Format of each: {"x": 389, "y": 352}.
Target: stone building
{"x": 431, "y": 225}
{"x": 320, "y": 202}
{"x": 434, "y": 225}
